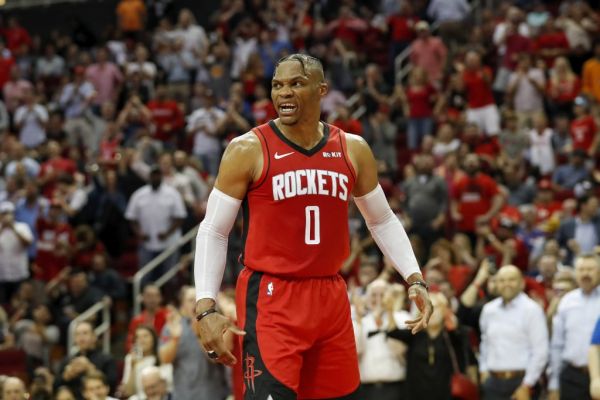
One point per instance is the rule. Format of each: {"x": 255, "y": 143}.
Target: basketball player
{"x": 294, "y": 177}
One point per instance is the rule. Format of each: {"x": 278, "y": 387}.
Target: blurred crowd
{"x": 484, "y": 118}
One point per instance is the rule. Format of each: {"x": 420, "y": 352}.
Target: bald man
{"x": 14, "y": 389}
{"x": 514, "y": 340}
{"x": 572, "y": 329}
{"x": 154, "y": 385}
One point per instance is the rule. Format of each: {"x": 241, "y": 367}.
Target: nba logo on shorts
{"x": 270, "y": 289}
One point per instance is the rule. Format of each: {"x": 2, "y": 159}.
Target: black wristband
{"x": 205, "y": 313}
{"x": 420, "y": 283}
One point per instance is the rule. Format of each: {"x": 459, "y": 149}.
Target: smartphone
{"x": 137, "y": 350}
{"x": 492, "y": 263}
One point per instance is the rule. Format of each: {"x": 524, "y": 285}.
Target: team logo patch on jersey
{"x": 250, "y": 373}
{"x": 270, "y": 289}
{"x": 332, "y": 154}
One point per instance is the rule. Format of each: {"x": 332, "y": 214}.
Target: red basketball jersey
{"x": 296, "y": 214}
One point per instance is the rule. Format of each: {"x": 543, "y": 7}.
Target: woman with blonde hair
{"x": 563, "y": 87}
{"x": 417, "y": 102}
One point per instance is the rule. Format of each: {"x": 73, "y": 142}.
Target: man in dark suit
{"x": 580, "y": 234}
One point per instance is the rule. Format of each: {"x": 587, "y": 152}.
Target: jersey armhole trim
{"x": 348, "y": 162}
{"x": 266, "y": 159}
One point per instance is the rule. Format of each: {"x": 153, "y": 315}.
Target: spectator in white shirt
{"x": 202, "y": 124}
{"x": 514, "y": 340}
{"x": 30, "y": 120}
{"x": 526, "y": 88}
{"x": 572, "y": 329}
{"x": 193, "y": 35}
{"x": 381, "y": 359}
{"x": 156, "y": 212}
{"x": 541, "y": 152}
{"x": 15, "y": 238}
{"x": 177, "y": 180}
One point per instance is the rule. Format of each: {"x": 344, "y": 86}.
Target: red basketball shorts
{"x": 299, "y": 341}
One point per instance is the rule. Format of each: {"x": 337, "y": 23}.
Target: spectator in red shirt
{"x": 551, "y": 43}
{"x": 153, "y": 314}
{"x": 502, "y": 244}
{"x": 16, "y": 35}
{"x": 417, "y": 102}
{"x": 166, "y": 116}
{"x": 53, "y": 168}
{"x": 6, "y": 63}
{"x": 545, "y": 204}
{"x": 262, "y": 108}
{"x": 55, "y": 240}
{"x": 348, "y": 27}
{"x": 563, "y": 87}
{"x": 476, "y": 198}
{"x": 482, "y": 109}
{"x": 345, "y": 122}
{"x": 86, "y": 247}
{"x": 584, "y": 132}
{"x": 401, "y": 28}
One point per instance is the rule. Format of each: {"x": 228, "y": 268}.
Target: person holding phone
{"x": 144, "y": 353}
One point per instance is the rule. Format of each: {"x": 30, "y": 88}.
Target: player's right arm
{"x": 240, "y": 166}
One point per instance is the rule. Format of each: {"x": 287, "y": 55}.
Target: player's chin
{"x": 288, "y": 119}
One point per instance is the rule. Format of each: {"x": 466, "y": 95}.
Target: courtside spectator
{"x": 88, "y": 359}
{"x": 512, "y": 361}
{"x": 572, "y": 328}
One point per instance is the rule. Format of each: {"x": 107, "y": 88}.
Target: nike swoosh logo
{"x": 280, "y": 156}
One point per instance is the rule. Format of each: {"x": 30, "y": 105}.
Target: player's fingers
{"x": 419, "y": 327}
{"x": 414, "y": 321}
{"x": 235, "y": 329}
{"x": 225, "y": 356}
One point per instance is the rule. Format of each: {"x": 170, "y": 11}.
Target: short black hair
{"x": 306, "y": 61}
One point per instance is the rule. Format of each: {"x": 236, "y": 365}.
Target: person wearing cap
{"x": 566, "y": 176}
{"x": 15, "y": 238}
{"x": 584, "y": 131}
{"x": 429, "y": 53}
{"x": 581, "y": 233}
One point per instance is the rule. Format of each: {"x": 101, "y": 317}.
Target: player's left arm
{"x": 386, "y": 229}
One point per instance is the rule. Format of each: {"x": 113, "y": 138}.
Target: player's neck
{"x": 304, "y": 134}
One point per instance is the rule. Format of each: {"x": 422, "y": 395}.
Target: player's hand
{"x": 419, "y": 295}
{"x": 553, "y": 395}
{"x": 522, "y": 393}
{"x": 211, "y": 330}
{"x": 595, "y": 388}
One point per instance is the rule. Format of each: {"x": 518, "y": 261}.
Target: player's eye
{"x": 297, "y": 84}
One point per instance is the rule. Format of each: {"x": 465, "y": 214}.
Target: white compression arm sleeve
{"x": 388, "y": 232}
{"x": 211, "y": 243}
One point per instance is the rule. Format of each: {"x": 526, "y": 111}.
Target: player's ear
{"x": 323, "y": 89}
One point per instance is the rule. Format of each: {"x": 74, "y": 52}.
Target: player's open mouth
{"x": 287, "y": 109}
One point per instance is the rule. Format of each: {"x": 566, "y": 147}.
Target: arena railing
{"x": 16, "y": 4}
{"x": 153, "y": 264}
{"x": 102, "y": 307}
